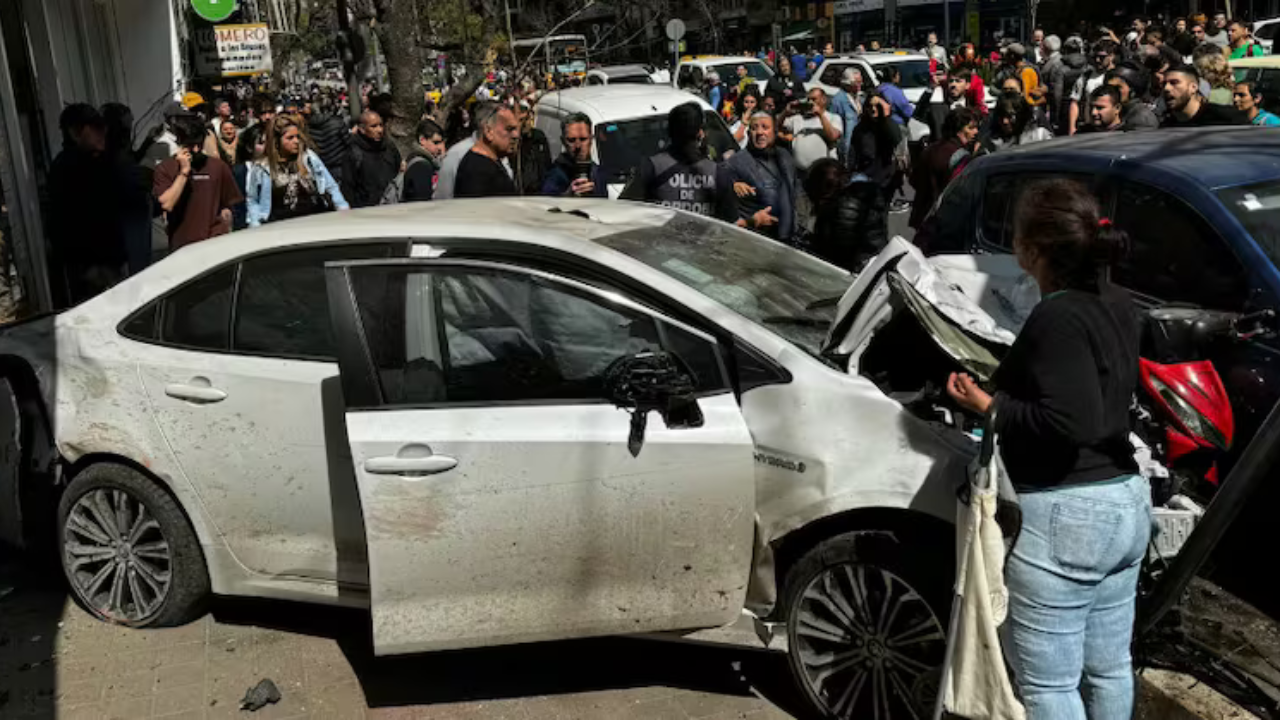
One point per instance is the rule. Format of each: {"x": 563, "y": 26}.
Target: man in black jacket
{"x": 934, "y": 114}
{"x": 758, "y": 187}
{"x": 573, "y": 174}
{"x": 372, "y": 163}
{"x": 330, "y": 135}
{"x": 533, "y": 153}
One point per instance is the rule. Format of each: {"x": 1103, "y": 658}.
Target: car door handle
{"x": 195, "y": 393}
{"x": 410, "y": 466}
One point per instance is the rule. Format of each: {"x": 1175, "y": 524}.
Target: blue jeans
{"x": 1072, "y": 579}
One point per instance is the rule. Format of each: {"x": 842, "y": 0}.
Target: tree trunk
{"x": 395, "y": 27}
{"x": 460, "y": 91}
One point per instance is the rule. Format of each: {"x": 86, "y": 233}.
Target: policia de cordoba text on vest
{"x": 692, "y": 189}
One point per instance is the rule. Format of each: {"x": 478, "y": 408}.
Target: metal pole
{"x": 511, "y": 38}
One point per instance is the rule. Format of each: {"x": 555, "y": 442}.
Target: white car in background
{"x": 1264, "y": 31}
{"x": 692, "y": 72}
{"x": 620, "y": 75}
{"x": 629, "y": 123}
{"x": 429, "y": 410}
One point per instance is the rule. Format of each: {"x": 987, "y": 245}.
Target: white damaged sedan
{"x": 504, "y": 421}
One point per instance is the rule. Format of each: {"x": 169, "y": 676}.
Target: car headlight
{"x": 1192, "y": 418}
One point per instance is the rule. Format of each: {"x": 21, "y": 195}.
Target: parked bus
{"x": 563, "y": 54}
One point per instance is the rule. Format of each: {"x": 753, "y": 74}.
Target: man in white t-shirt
{"x": 814, "y": 133}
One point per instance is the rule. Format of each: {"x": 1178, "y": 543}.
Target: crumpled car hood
{"x": 988, "y": 296}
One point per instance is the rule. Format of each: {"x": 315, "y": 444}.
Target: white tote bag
{"x": 975, "y": 683}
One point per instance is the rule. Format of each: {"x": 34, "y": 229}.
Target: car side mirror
{"x": 650, "y": 381}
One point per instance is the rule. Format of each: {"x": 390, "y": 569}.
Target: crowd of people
{"x": 816, "y": 171}
{"x": 1153, "y": 77}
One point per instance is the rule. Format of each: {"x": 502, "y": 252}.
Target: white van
{"x": 629, "y": 123}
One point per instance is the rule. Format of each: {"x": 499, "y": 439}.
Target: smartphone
{"x": 582, "y": 171}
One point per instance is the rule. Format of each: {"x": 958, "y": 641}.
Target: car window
{"x": 282, "y": 306}
{"x": 594, "y": 80}
{"x": 198, "y": 314}
{"x": 999, "y": 200}
{"x": 756, "y": 70}
{"x": 1257, "y": 207}
{"x": 547, "y": 119}
{"x": 1267, "y": 32}
{"x": 948, "y": 228}
{"x": 832, "y": 72}
{"x": 915, "y": 73}
{"x": 468, "y": 335}
{"x": 1174, "y": 255}
{"x": 683, "y": 77}
{"x": 789, "y": 292}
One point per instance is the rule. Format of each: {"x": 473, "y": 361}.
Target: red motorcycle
{"x": 1183, "y": 412}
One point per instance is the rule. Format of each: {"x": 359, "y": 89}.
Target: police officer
{"x": 683, "y": 176}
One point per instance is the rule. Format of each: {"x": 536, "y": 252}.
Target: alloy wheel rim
{"x": 869, "y": 644}
{"x": 116, "y": 555}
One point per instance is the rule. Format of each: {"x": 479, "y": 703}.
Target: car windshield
{"x": 622, "y": 145}
{"x": 1267, "y": 32}
{"x": 915, "y": 73}
{"x": 1257, "y": 207}
{"x": 783, "y": 289}
{"x": 756, "y": 70}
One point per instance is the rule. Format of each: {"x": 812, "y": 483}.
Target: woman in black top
{"x": 1062, "y": 415}
{"x": 874, "y": 143}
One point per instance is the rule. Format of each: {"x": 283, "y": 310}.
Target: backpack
{"x": 395, "y": 189}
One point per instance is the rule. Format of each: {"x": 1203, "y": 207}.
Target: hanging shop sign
{"x": 233, "y": 50}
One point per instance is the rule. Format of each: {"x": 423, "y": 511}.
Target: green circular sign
{"x": 214, "y": 10}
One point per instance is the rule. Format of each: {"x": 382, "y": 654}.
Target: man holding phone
{"x": 814, "y": 133}
{"x": 573, "y": 173}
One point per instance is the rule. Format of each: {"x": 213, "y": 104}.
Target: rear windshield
{"x": 915, "y": 73}
{"x": 756, "y": 70}
{"x": 622, "y": 145}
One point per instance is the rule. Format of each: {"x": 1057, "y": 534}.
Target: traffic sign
{"x": 214, "y": 10}
{"x": 675, "y": 29}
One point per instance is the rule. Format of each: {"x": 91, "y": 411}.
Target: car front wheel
{"x": 866, "y": 627}
{"x": 127, "y": 550}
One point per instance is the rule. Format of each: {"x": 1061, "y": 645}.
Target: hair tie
{"x": 1104, "y": 222}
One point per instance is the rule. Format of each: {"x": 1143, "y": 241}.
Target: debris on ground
{"x": 261, "y": 695}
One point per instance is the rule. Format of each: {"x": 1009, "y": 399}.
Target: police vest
{"x": 684, "y": 186}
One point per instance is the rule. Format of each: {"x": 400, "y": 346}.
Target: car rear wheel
{"x": 866, "y": 627}
{"x": 127, "y": 550}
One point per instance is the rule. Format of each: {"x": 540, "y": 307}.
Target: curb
{"x": 1166, "y": 695}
